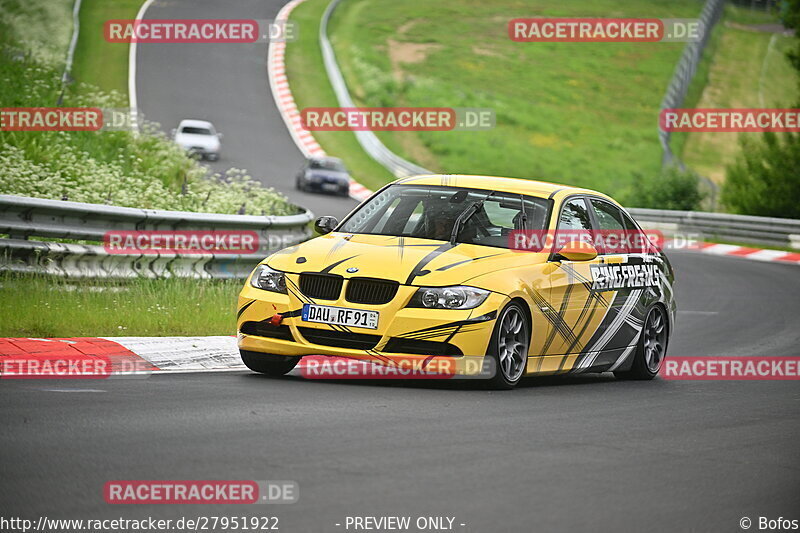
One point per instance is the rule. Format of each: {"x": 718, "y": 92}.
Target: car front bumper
{"x": 404, "y": 334}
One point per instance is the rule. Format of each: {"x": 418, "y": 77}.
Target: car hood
{"x": 409, "y": 261}
{"x": 191, "y": 139}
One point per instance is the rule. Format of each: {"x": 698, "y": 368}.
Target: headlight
{"x": 269, "y": 280}
{"x": 448, "y": 297}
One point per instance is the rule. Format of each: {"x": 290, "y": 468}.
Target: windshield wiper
{"x": 465, "y": 216}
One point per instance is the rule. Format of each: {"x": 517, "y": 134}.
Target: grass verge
{"x": 585, "y": 114}
{"x": 54, "y": 307}
{"x": 98, "y": 62}
{"x": 749, "y": 70}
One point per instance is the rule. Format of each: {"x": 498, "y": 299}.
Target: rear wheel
{"x": 509, "y": 347}
{"x": 651, "y": 348}
{"x": 271, "y": 365}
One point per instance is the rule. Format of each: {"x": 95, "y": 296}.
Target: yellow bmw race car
{"x": 532, "y": 277}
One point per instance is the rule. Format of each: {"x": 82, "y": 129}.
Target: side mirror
{"x": 576, "y": 251}
{"x": 174, "y": 131}
{"x": 219, "y": 136}
{"x": 324, "y": 225}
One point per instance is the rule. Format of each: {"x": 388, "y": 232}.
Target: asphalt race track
{"x": 576, "y": 454}
{"x": 226, "y": 84}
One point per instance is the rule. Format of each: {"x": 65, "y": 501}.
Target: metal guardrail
{"x": 687, "y": 67}
{"x": 762, "y": 231}
{"x": 73, "y": 42}
{"x": 25, "y": 219}
{"x": 395, "y": 164}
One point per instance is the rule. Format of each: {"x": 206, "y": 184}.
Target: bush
{"x": 105, "y": 167}
{"x": 765, "y": 179}
{"x": 672, "y": 189}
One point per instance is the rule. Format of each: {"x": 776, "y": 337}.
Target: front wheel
{"x": 271, "y": 365}
{"x": 651, "y": 348}
{"x": 509, "y": 347}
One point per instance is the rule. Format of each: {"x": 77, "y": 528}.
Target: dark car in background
{"x": 324, "y": 174}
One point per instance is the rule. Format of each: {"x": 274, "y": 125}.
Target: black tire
{"x": 655, "y": 330}
{"x": 271, "y": 365}
{"x": 502, "y": 378}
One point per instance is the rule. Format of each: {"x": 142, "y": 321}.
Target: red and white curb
{"x": 755, "y": 254}
{"x": 127, "y": 355}
{"x": 279, "y": 83}
{"x": 148, "y": 355}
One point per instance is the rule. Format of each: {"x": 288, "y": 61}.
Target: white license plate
{"x": 341, "y": 316}
{"x": 330, "y": 187}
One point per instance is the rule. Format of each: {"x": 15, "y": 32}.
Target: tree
{"x": 672, "y": 189}
{"x": 765, "y": 180}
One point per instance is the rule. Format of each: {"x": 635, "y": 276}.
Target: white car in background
{"x": 198, "y": 137}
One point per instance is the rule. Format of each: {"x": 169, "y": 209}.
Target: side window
{"x": 574, "y": 224}
{"x": 637, "y": 238}
{"x": 613, "y": 234}
{"x": 575, "y": 216}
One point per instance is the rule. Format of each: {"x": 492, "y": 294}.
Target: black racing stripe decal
{"x": 563, "y": 309}
{"x": 427, "y": 259}
{"x": 456, "y": 330}
{"x": 244, "y": 308}
{"x": 555, "y": 320}
{"x": 574, "y": 344}
{"x": 610, "y": 318}
{"x": 451, "y": 265}
{"x": 292, "y": 287}
{"x": 586, "y": 283}
{"x": 328, "y": 268}
{"x": 335, "y": 248}
{"x": 483, "y": 318}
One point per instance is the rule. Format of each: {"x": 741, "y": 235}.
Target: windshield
{"x": 196, "y": 131}
{"x": 430, "y": 212}
{"x": 327, "y": 164}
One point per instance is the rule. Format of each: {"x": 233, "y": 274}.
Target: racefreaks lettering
{"x": 613, "y": 277}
